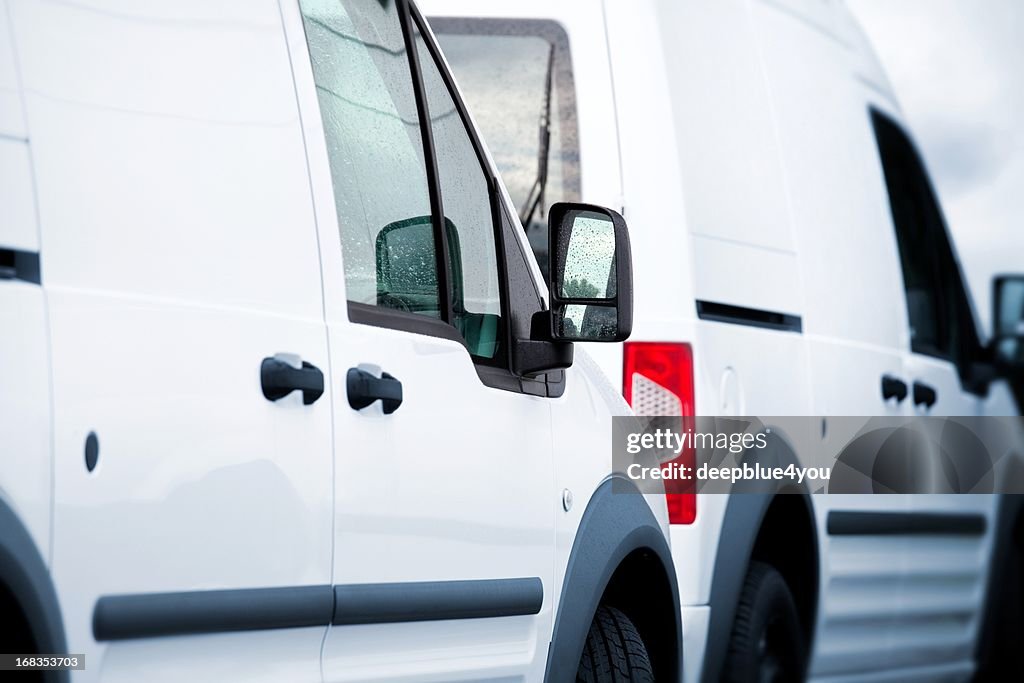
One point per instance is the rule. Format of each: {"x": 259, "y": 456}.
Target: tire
{"x": 614, "y": 651}
{"x": 767, "y": 643}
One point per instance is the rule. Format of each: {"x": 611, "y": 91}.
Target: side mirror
{"x": 590, "y": 285}
{"x": 1008, "y": 324}
{"x": 590, "y": 278}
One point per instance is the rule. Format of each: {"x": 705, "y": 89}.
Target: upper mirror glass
{"x": 589, "y": 271}
{"x": 1010, "y": 316}
{"x": 1009, "y": 322}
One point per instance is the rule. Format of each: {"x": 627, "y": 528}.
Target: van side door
{"x": 178, "y": 252}
{"x": 25, "y": 399}
{"x": 444, "y": 502}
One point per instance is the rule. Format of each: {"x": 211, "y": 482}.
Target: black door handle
{"x": 893, "y": 387}
{"x": 924, "y": 395}
{"x": 280, "y": 379}
{"x": 364, "y": 389}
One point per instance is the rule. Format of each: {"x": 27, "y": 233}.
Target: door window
{"x": 516, "y": 76}
{"x": 939, "y": 312}
{"x": 399, "y": 178}
{"x": 466, "y": 199}
{"x": 367, "y": 102}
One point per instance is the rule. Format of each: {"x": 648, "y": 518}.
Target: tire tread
{"x": 614, "y": 651}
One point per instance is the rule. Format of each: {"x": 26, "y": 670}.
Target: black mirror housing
{"x": 590, "y": 285}
{"x": 590, "y": 278}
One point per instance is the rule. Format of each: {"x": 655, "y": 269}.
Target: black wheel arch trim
{"x": 613, "y": 526}
{"x": 24, "y": 572}
{"x": 744, "y": 517}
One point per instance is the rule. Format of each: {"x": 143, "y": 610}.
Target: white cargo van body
{"x": 179, "y": 500}
{"x": 749, "y": 168}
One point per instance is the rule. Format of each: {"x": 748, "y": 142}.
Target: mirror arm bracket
{"x": 980, "y": 375}
{"x": 540, "y": 353}
{"x": 534, "y": 357}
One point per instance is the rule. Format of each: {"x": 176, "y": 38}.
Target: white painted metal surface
{"x": 179, "y": 250}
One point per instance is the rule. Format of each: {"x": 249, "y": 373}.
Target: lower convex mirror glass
{"x": 586, "y": 322}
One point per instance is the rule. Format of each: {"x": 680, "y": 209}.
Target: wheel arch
{"x": 26, "y": 579}
{"x": 771, "y": 525}
{"x": 619, "y": 555}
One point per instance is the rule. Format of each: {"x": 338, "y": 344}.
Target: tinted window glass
{"x": 940, "y": 315}
{"x": 367, "y": 102}
{"x": 465, "y": 196}
{"x": 1010, "y": 314}
{"x": 516, "y": 77}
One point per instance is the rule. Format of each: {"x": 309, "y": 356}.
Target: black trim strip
{"x": 20, "y": 265}
{"x": 150, "y": 615}
{"x": 753, "y": 317}
{"x": 119, "y": 617}
{"x": 392, "y": 318}
{"x": 502, "y": 359}
{"x": 386, "y": 603}
{"x": 444, "y": 269}
{"x": 856, "y": 523}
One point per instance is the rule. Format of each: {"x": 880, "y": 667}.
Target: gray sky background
{"x": 957, "y": 67}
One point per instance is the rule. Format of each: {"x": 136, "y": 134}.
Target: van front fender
{"x": 620, "y": 552}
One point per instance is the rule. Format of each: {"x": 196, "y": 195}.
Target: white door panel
{"x": 454, "y": 485}
{"x": 946, "y": 574}
{"x": 479, "y": 650}
{"x": 201, "y": 482}
{"x": 860, "y": 584}
{"x": 253, "y": 657}
{"x": 861, "y": 577}
{"x": 26, "y": 482}
{"x": 178, "y": 251}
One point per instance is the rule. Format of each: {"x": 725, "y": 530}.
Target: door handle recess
{"x": 924, "y": 395}
{"x": 893, "y": 387}
{"x": 364, "y": 388}
{"x": 280, "y": 379}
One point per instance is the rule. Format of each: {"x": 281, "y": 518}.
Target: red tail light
{"x": 657, "y": 379}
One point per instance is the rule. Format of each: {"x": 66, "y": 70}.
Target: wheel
{"x": 767, "y": 643}
{"x": 614, "y": 652}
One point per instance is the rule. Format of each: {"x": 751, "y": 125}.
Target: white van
{"x": 790, "y": 259}
{"x": 264, "y": 414}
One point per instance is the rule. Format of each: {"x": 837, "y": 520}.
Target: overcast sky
{"x": 957, "y": 67}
